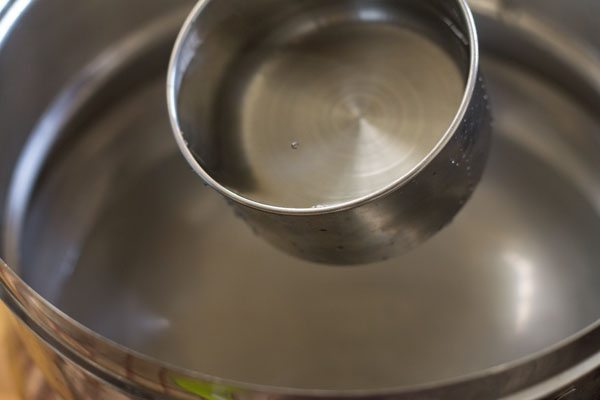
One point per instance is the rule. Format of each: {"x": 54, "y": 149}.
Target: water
{"x": 365, "y": 101}
{"x": 160, "y": 264}
{"x": 194, "y": 286}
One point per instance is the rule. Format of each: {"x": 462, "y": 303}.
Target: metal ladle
{"x": 343, "y": 132}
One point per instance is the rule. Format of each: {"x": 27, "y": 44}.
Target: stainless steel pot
{"x": 501, "y": 304}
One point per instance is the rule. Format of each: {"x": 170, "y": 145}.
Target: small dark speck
{"x": 323, "y": 230}
{"x": 340, "y": 248}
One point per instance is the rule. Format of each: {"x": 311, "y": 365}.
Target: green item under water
{"x": 208, "y": 391}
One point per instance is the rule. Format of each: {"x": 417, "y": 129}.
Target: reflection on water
{"x": 525, "y": 282}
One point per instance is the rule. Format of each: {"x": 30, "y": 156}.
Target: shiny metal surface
{"x": 493, "y": 286}
{"x": 343, "y": 132}
{"x": 502, "y": 303}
